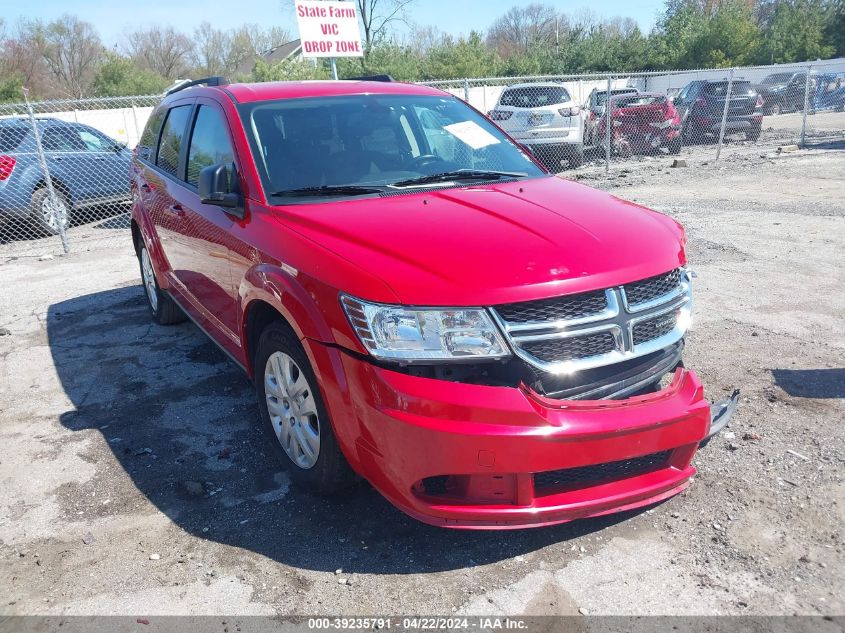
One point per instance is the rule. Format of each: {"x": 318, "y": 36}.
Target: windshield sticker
{"x": 472, "y": 134}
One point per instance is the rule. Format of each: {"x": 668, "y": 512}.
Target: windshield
{"x": 600, "y": 97}
{"x": 720, "y": 88}
{"x": 637, "y": 100}
{"x": 777, "y": 78}
{"x": 534, "y": 96}
{"x": 374, "y": 141}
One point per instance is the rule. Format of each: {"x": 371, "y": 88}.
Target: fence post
{"x": 55, "y": 205}
{"x": 725, "y": 113}
{"x": 135, "y": 118}
{"x": 608, "y": 124}
{"x": 806, "y": 106}
{"x": 466, "y": 90}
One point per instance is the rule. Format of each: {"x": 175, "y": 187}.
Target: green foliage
{"x": 10, "y": 89}
{"x": 462, "y": 57}
{"x": 118, "y": 76}
{"x": 288, "y": 70}
{"x": 798, "y": 32}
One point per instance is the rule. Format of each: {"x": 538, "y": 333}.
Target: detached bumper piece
{"x": 721, "y": 413}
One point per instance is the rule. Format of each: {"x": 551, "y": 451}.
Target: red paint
{"x": 469, "y": 246}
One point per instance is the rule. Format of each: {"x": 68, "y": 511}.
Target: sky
{"x": 114, "y": 17}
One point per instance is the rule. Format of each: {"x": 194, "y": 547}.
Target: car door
{"x": 65, "y": 156}
{"x": 160, "y": 155}
{"x": 110, "y": 162}
{"x": 201, "y": 259}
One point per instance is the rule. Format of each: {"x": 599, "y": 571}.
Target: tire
{"x": 42, "y": 211}
{"x": 775, "y": 109}
{"x": 674, "y": 146}
{"x": 576, "y": 157}
{"x": 163, "y": 308}
{"x": 753, "y": 134}
{"x": 294, "y": 417}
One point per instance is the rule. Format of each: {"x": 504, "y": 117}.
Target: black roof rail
{"x": 371, "y": 78}
{"x": 206, "y": 81}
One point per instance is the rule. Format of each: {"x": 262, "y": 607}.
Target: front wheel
{"x": 294, "y": 416}
{"x": 753, "y": 134}
{"x": 674, "y": 146}
{"x": 576, "y": 157}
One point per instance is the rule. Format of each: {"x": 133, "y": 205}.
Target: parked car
{"x": 783, "y": 92}
{"x": 544, "y": 118}
{"x": 87, "y": 168}
{"x": 594, "y": 110}
{"x": 481, "y": 341}
{"x": 828, "y": 93}
{"x": 701, "y": 105}
{"x": 642, "y": 122}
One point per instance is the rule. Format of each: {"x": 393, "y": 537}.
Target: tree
{"x": 796, "y": 31}
{"x": 118, "y": 77}
{"x": 164, "y": 51}
{"x": 464, "y": 57}
{"x": 378, "y": 15}
{"x": 288, "y": 70}
{"x": 72, "y": 50}
{"x": 523, "y": 29}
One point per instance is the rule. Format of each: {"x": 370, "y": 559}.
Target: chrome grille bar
{"x": 619, "y": 318}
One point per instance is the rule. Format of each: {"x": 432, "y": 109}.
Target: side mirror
{"x": 215, "y": 187}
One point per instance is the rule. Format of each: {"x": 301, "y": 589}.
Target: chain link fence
{"x": 64, "y": 165}
{"x": 64, "y": 173}
{"x": 611, "y": 119}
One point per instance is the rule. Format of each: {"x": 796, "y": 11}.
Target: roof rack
{"x": 206, "y": 81}
{"x": 371, "y": 78}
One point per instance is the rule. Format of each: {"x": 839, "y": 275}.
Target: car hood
{"x": 492, "y": 244}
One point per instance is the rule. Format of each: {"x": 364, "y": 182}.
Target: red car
{"x": 641, "y": 122}
{"x": 420, "y": 304}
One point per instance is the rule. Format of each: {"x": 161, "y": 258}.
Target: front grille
{"x": 549, "y": 481}
{"x": 652, "y": 288}
{"x": 555, "y": 309}
{"x": 653, "y": 328}
{"x": 564, "y": 337}
{"x": 563, "y": 349}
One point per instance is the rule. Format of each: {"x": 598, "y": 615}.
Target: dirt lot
{"x": 135, "y": 479}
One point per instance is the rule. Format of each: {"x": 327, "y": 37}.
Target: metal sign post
{"x": 334, "y": 68}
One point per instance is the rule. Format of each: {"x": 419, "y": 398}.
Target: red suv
{"x": 419, "y": 303}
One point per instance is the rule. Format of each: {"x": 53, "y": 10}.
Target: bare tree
{"x": 251, "y": 40}
{"x": 212, "y": 48}
{"x": 378, "y": 15}
{"x": 522, "y": 28}
{"x": 72, "y": 51}
{"x": 165, "y": 51}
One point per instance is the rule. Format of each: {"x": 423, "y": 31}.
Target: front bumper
{"x": 482, "y": 445}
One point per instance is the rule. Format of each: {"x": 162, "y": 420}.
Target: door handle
{"x": 177, "y": 209}
{"x": 146, "y": 188}
{"x": 55, "y": 158}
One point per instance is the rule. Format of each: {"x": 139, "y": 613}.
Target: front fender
{"x": 282, "y": 289}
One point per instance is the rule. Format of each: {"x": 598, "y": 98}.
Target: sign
{"x": 328, "y": 29}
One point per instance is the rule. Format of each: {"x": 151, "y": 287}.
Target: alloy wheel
{"x": 293, "y": 409}
{"x": 54, "y": 211}
{"x": 149, "y": 279}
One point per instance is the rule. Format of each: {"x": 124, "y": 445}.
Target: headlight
{"x": 409, "y": 334}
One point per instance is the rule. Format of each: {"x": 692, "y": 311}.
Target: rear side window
{"x": 534, "y": 97}
{"x": 11, "y": 137}
{"x": 637, "y": 100}
{"x": 210, "y": 144}
{"x": 147, "y": 144}
{"x": 60, "y": 139}
{"x": 170, "y": 146}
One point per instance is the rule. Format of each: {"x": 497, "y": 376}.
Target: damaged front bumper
{"x": 721, "y": 413}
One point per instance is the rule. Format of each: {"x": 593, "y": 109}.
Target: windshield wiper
{"x": 460, "y": 174}
{"x": 328, "y": 190}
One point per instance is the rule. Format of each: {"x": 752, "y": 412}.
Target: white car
{"x": 543, "y": 117}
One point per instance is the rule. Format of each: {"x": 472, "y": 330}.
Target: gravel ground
{"x": 136, "y": 479}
